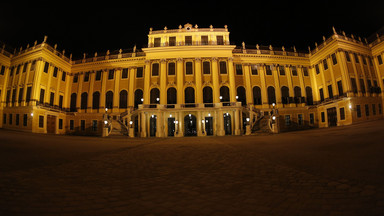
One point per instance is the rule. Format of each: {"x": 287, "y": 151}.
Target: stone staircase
{"x": 118, "y": 129}
{"x": 261, "y": 126}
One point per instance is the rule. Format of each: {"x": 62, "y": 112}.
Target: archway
{"x": 227, "y": 124}
{"x": 241, "y": 96}
{"x": 138, "y": 97}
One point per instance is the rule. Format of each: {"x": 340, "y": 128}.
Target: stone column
{"x": 247, "y": 83}
{"x": 116, "y": 94}
{"x": 237, "y": 122}
{"x": 199, "y": 89}
{"x": 180, "y": 81}
{"x": 147, "y": 80}
{"x": 163, "y": 81}
{"x": 131, "y": 87}
{"x": 215, "y": 81}
{"x": 232, "y": 85}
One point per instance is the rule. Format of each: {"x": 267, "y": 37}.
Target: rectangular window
{"x": 94, "y": 125}
{"x": 311, "y": 118}
{"x": 188, "y": 68}
{"x": 46, "y": 66}
{"x": 322, "y": 117}
{"x": 305, "y": 71}
{"x": 268, "y": 70}
{"x": 55, "y": 72}
{"x": 206, "y": 67}
{"x": 71, "y": 124}
{"x": 373, "y": 109}
{"x": 340, "y": 87}
{"x": 63, "y": 76}
{"x": 139, "y": 72}
{"x": 220, "y": 40}
{"x": 317, "y": 69}
{"x": 282, "y": 70}
{"x": 321, "y": 95}
{"x": 82, "y": 125}
{"x": 4, "y": 118}
{"x": 287, "y": 120}
{"x": 124, "y": 73}
{"x": 33, "y": 65}
{"x": 379, "y": 106}
{"x": 25, "y": 67}
{"x": 358, "y": 111}
{"x": 362, "y": 85}
{"x": 18, "y": 69}
{"x": 98, "y": 75}
{"x": 356, "y": 58}
{"x": 379, "y": 59}
{"x": 41, "y": 121}
{"x": 52, "y": 98}
{"x": 239, "y": 69}
{"x": 366, "y": 110}
{"x": 75, "y": 78}
{"x": 325, "y": 64}
{"x": 347, "y": 56}
{"x": 294, "y": 71}
{"x": 155, "y": 69}
{"x": 354, "y": 85}
{"x": 17, "y": 119}
{"x": 61, "y": 98}
{"x": 111, "y": 74}
{"x": 28, "y": 96}
{"x": 254, "y": 70}
{"x": 25, "y": 120}
{"x": 157, "y": 42}
{"x": 223, "y": 67}
{"x": 86, "y": 77}
{"x": 334, "y": 59}
{"x": 342, "y": 113}
{"x": 2, "y": 70}
{"x": 300, "y": 119}
{"x": 10, "y": 119}
{"x": 330, "y": 91}
{"x": 364, "y": 60}
{"x": 21, "y": 90}
{"x": 204, "y": 40}
{"x": 60, "y": 124}
{"x": 42, "y": 94}
{"x": 172, "y": 41}
{"x": 171, "y": 68}
{"x": 188, "y": 40}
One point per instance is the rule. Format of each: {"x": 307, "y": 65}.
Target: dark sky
{"x": 100, "y": 27}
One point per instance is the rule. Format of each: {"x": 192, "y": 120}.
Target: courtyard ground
{"x": 332, "y": 171}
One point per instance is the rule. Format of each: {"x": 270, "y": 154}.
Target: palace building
{"x": 192, "y": 81}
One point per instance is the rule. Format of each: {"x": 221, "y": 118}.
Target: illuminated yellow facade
{"x": 192, "y": 81}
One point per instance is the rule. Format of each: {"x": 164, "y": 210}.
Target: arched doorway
{"x": 227, "y": 124}
{"x": 190, "y": 125}
{"x": 189, "y": 94}
{"x": 123, "y": 99}
{"x": 207, "y": 96}
{"x": 171, "y": 96}
{"x": 72, "y": 105}
{"x": 95, "y": 100}
{"x": 109, "y": 100}
{"x": 285, "y": 95}
{"x": 308, "y": 92}
{"x": 155, "y": 96}
{"x": 224, "y": 95}
{"x": 152, "y": 125}
{"x": 257, "y": 95}
{"x": 297, "y": 94}
{"x": 271, "y": 95}
{"x": 241, "y": 96}
{"x": 138, "y": 97}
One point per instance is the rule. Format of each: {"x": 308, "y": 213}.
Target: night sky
{"x": 79, "y": 29}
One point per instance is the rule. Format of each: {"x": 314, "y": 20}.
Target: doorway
{"x": 332, "y": 117}
{"x": 171, "y": 127}
{"x": 152, "y": 126}
{"x": 51, "y": 124}
{"x": 190, "y": 125}
{"x": 209, "y": 126}
{"x": 227, "y": 124}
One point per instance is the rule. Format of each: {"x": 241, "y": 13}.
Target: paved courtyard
{"x": 337, "y": 171}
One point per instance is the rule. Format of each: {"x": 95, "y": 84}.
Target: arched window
{"x": 297, "y": 94}
{"x": 285, "y": 95}
{"x": 171, "y": 96}
{"x": 155, "y": 96}
{"x": 84, "y": 100}
{"x": 207, "y": 95}
{"x": 95, "y": 100}
{"x": 271, "y": 95}
{"x": 72, "y": 106}
{"x": 308, "y": 92}
{"x": 189, "y": 95}
{"x": 109, "y": 100}
{"x": 241, "y": 95}
{"x": 138, "y": 97}
{"x": 224, "y": 94}
{"x": 257, "y": 95}
{"x": 123, "y": 99}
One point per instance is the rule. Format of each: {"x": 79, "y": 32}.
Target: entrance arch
{"x": 190, "y": 125}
